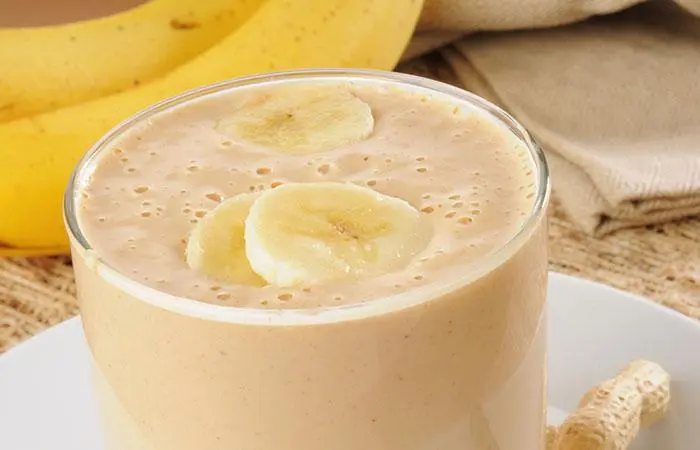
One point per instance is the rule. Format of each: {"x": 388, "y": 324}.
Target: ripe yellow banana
{"x": 46, "y": 68}
{"x": 36, "y": 153}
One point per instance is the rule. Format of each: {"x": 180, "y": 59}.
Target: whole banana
{"x": 38, "y": 153}
{"x": 46, "y": 68}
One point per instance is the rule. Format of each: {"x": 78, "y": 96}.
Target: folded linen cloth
{"x": 613, "y": 100}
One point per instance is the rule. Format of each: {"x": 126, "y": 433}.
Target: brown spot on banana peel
{"x": 179, "y": 24}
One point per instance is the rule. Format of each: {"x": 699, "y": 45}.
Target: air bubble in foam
{"x": 323, "y": 169}
{"x": 102, "y": 219}
{"x": 338, "y": 298}
{"x": 223, "y": 296}
{"x": 200, "y": 213}
{"x": 141, "y": 189}
{"x": 465, "y": 220}
{"x": 131, "y": 170}
{"x": 418, "y": 277}
{"x": 213, "y": 196}
{"x": 387, "y": 160}
{"x": 146, "y": 214}
{"x": 274, "y": 184}
{"x": 306, "y": 290}
{"x": 284, "y": 297}
{"x": 192, "y": 168}
{"x": 458, "y": 204}
{"x": 454, "y": 197}
{"x": 117, "y": 151}
{"x": 124, "y": 159}
{"x": 421, "y": 169}
{"x": 226, "y": 143}
{"x": 263, "y": 170}
{"x": 426, "y": 196}
{"x": 450, "y": 215}
{"x": 194, "y": 220}
{"x": 475, "y": 212}
{"x": 427, "y": 209}
{"x": 420, "y": 158}
{"x": 214, "y": 288}
{"x": 372, "y": 183}
{"x": 186, "y": 210}
{"x": 153, "y": 153}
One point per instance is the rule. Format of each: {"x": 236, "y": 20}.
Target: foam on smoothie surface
{"x": 467, "y": 175}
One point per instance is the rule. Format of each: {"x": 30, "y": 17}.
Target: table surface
{"x": 661, "y": 262}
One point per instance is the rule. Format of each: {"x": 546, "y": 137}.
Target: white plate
{"x": 594, "y": 330}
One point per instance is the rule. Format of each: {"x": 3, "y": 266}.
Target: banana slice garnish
{"x": 302, "y": 120}
{"x": 216, "y": 245}
{"x": 313, "y": 232}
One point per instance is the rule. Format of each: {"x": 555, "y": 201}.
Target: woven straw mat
{"x": 660, "y": 262}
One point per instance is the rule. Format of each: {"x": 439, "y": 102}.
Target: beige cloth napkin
{"x": 615, "y": 102}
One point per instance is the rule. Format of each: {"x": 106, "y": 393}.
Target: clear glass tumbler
{"x": 457, "y": 367}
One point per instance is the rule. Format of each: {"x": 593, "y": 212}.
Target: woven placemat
{"x": 660, "y": 262}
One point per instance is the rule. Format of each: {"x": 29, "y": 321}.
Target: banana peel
{"x": 45, "y": 68}
{"x": 37, "y": 153}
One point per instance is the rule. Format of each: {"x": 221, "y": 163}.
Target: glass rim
{"x": 319, "y": 315}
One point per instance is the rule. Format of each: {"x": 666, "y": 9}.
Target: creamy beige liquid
{"x": 423, "y": 361}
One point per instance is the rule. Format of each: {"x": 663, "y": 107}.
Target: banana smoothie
{"x": 329, "y": 261}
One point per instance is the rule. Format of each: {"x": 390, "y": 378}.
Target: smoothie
{"x": 444, "y": 349}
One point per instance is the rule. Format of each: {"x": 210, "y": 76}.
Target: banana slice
{"x": 312, "y": 232}
{"x": 301, "y": 120}
{"x": 216, "y": 244}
